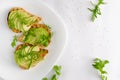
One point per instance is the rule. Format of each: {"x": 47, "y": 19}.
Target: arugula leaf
{"x": 96, "y": 11}
{"x": 104, "y": 77}
{"x": 54, "y": 77}
{"x": 57, "y": 69}
{"x": 14, "y": 41}
{"x": 99, "y": 65}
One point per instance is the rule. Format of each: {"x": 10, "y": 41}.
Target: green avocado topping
{"x": 28, "y": 56}
{"x": 37, "y": 36}
{"x": 21, "y": 20}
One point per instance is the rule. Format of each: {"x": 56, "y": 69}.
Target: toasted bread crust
{"x": 41, "y": 25}
{"x": 20, "y": 38}
{"x": 18, "y": 8}
{"x": 22, "y": 67}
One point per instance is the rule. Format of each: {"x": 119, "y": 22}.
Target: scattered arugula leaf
{"x": 14, "y": 41}
{"x": 45, "y": 78}
{"x": 54, "y": 77}
{"x": 99, "y": 65}
{"x": 57, "y": 70}
{"x": 104, "y": 77}
{"x": 96, "y": 11}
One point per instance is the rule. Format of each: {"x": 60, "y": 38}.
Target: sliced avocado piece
{"x": 28, "y": 56}
{"x": 39, "y": 34}
{"x": 20, "y": 20}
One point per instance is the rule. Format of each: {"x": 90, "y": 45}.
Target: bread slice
{"x": 38, "y": 34}
{"x": 27, "y": 56}
{"x": 19, "y": 20}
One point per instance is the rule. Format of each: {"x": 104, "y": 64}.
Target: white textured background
{"x": 88, "y": 40}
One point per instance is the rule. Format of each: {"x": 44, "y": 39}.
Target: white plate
{"x": 8, "y": 68}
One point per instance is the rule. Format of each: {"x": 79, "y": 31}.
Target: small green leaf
{"x": 57, "y": 73}
{"x": 99, "y": 65}
{"x": 96, "y": 10}
{"x": 57, "y": 69}
{"x": 54, "y": 77}
{"x": 45, "y": 78}
{"x": 104, "y": 77}
{"x": 14, "y": 41}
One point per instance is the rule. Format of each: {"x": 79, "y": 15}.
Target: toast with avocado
{"x": 27, "y": 56}
{"x": 19, "y": 20}
{"x": 38, "y": 34}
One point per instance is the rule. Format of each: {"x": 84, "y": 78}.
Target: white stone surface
{"x": 88, "y": 40}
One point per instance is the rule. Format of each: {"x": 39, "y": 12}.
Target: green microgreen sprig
{"x": 99, "y": 65}
{"x": 96, "y": 11}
